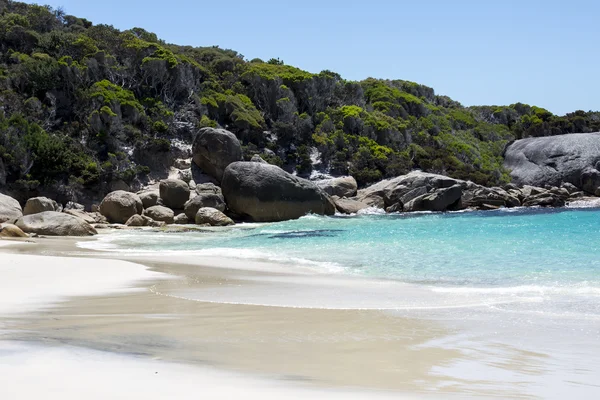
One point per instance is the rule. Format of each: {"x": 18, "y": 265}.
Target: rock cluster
{"x": 261, "y": 192}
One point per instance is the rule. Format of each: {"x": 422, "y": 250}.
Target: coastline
{"x": 121, "y": 333}
{"x": 349, "y": 348}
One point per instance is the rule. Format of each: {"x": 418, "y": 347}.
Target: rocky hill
{"x": 86, "y": 109}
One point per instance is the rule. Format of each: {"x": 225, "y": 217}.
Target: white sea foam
{"x": 587, "y": 203}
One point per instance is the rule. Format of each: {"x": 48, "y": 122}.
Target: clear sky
{"x": 542, "y": 52}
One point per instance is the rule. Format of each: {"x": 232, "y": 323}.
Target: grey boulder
{"x": 214, "y": 149}
{"x": 439, "y": 200}
{"x": 52, "y": 223}
{"x": 348, "y": 206}
{"x": 149, "y": 198}
{"x": 160, "y": 213}
{"x": 553, "y": 160}
{"x": 119, "y": 206}
{"x": 10, "y": 209}
{"x": 174, "y": 193}
{"x": 345, "y": 186}
{"x": 266, "y": 193}
{"x": 212, "y": 217}
{"x": 202, "y": 200}
{"x": 40, "y": 204}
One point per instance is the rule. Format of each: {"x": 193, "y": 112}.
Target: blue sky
{"x": 475, "y": 51}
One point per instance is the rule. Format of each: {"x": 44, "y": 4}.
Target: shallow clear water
{"x": 519, "y": 288}
{"x": 484, "y": 249}
{"x": 541, "y": 260}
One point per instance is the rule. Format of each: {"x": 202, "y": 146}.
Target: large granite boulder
{"x": 345, "y": 186}
{"x": 11, "y": 231}
{"x": 214, "y": 149}
{"x": 202, "y": 200}
{"x": 212, "y": 217}
{"x": 10, "y": 209}
{"x": 40, "y": 204}
{"x": 119, "y": 206}
{"x": 554, "y": 160}
{"x": 174, "y": 193}
{"x": 52, "y": 223}
{"x": 160, "y": 213}
{"x": 266, "y": 193}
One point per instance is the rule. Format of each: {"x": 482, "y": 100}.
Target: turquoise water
{"x": 558, "y": 248}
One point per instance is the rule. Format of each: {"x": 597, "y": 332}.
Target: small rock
{"x": 213, "y": 217}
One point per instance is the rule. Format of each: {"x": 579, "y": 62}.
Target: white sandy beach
{"x": 181, "y": 327}
{"x": 33, "y": 370}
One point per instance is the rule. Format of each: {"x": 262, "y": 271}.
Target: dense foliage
{"x": 84, "y": 104}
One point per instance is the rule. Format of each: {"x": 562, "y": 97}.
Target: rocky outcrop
{"x": 345, "y": 186}
{"x": 149, "y": 198}
{"x": 174, "y": 193}
{"x": 554, "y": 160}
{"x": 212, "y": 217}
{"x": 348, "y": 206}
{"x": 160, "y": 213}
{"x": 214, "y": 149}
{"x": 119, "y": 206}
{"x": 264, "y": 193}
{"x": 11, "y": 231}
{"x": 10, "y": 209}
{"x": 51, "y": 223}
{"x": 415, "y": 191}
{"x": 40, "y": 204}
{"x": 441, "y": 199}
{"x": 202, "y": 200}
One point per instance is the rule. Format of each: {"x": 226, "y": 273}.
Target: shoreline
{"x": 93, "y": 331}
{"x": 370, "y": 349}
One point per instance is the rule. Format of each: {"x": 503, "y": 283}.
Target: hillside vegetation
{"x": 83, "y": 105}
